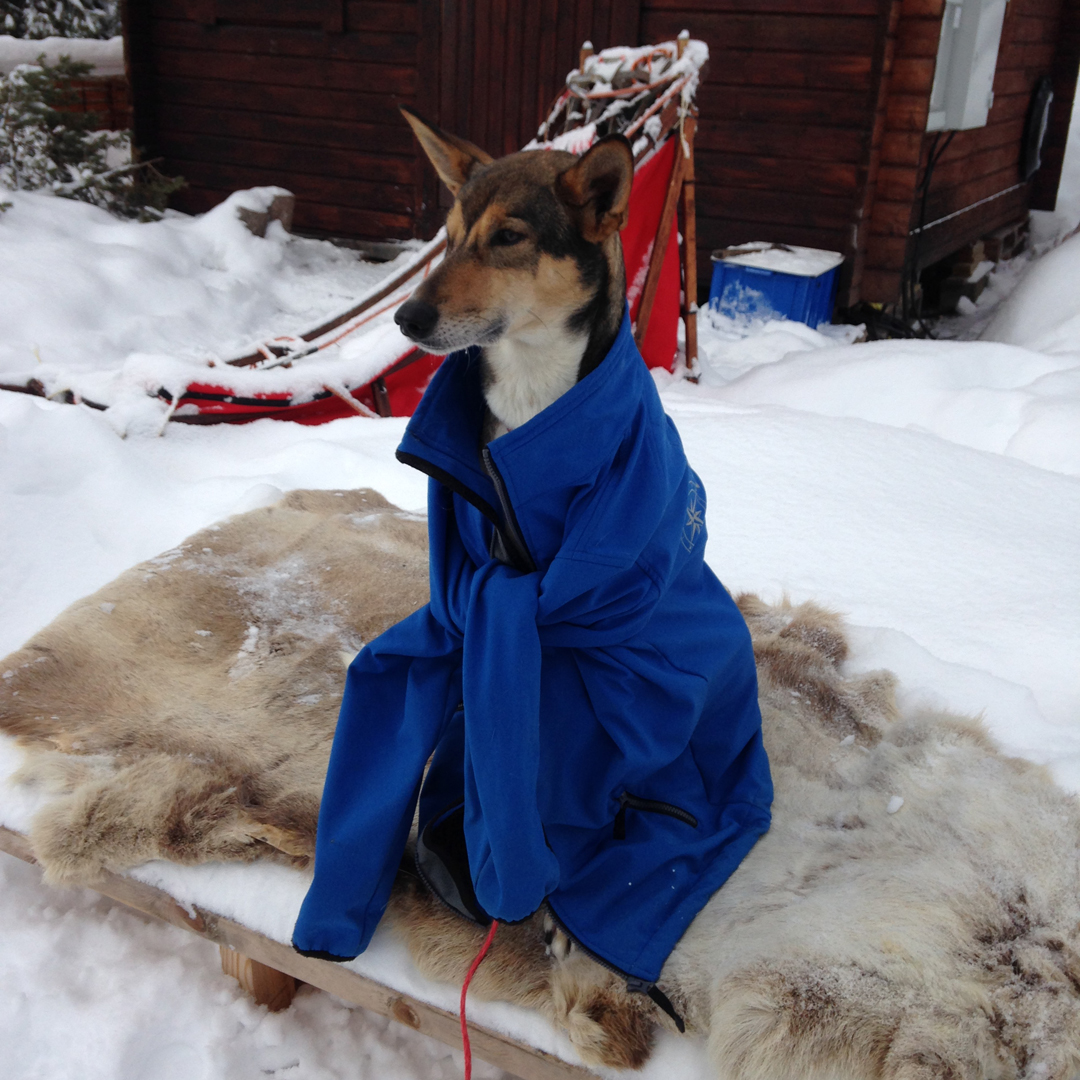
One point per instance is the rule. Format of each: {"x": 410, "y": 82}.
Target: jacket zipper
{"x": 634, "y": 985}
{"x": 518, "y": 549}
{"x": 650, "y": 806}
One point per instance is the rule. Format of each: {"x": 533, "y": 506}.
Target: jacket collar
{"x": 571, "y": 439}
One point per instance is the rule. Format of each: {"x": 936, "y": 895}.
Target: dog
{"x": 581, "y": 686}
{"x": 533, "y": 272}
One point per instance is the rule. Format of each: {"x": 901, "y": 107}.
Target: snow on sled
{"x": 912, "y": 912}
{"x": 645, "y": 93}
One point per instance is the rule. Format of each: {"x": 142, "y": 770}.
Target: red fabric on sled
{"x": 647, "y": 197}
{"x": 405, "y": 386}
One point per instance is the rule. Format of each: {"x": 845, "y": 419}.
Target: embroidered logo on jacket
{"x": 695, "y": 515}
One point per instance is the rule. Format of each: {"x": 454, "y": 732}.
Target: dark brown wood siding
{"x": 785, "y": 143}
{"x": 503, "y": 61}
{"x": 305, "y": 93}
{"x": 240, "y": 93}
{"x": 978, "y": 176}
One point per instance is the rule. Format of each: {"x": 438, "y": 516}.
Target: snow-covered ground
{"x": 928, "y": 489}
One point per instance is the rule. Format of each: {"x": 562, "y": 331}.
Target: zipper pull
{"x": 620, "y": 819}
{"x": 658, "y": 998}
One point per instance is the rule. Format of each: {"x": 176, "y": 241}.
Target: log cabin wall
{"x": 786, "y": 148}
{"x": 305, "y": 93}
{"x": 980, "y": 164}
{"x": 813, "y": 112}
{"x": 302, "y": 93}
{"x": 502, "y": 62}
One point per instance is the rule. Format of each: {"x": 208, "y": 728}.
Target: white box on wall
{"x": 966, "y": 62}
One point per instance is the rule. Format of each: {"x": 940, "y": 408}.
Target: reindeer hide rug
{"x": 913, "y": 913}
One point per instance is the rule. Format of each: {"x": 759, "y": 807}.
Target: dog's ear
{"x": 597, "y": 187}
{"x": 455, "y": 159}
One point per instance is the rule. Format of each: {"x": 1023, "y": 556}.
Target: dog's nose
{"x": 417, "y": 319}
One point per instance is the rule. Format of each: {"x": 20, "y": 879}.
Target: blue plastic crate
{"x": 775, "y": 281}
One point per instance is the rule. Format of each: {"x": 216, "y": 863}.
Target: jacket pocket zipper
{"x": 650, "y": 806}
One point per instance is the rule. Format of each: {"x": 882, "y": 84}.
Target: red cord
{"x": 465, "y": 989}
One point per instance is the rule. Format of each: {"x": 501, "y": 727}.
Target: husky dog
{"x": 533, "y": 271}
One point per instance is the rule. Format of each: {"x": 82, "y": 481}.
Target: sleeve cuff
{"x": 322, "y": 954}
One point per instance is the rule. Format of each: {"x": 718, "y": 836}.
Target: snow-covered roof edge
{"x": 107, "y": 55}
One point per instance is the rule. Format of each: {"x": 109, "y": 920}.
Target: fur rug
{"x": 913, "y": 913}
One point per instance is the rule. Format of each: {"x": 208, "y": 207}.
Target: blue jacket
{"x": 585, "y": 683}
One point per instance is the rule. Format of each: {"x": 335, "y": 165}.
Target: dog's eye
{"x": 506, "y": 238}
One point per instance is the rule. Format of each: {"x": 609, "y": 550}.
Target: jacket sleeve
{"x": 392, "y": 715}
{"x": 512, "y": 867}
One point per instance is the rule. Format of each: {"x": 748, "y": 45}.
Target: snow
{"x": 930, "y": 490}
{"x": 782, "y": 258}
{"x": 107, "y": 56}
{"x": 110, "y": 309}
{"x": 1043, "y": 312}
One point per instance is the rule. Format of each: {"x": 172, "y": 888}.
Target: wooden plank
{"x": 287, "y": 71}
{"x": 880, "y": 286}
{"x": 897, "y": 183}
{"x": 902, "y": 147}
{"x": 333, "y": 196}
{"x": 318, "y": 218}
{"x": 366, "y": 15}
{"x": 891, "y": 218}
{"x": 927, "y": 9}
{"x": 777, "y": 208}
{"x": 886, "y": 252}
{"x": 497, "y": 1049}
{"x": 952, "y": 235}
{"x": 361, "y": 144}
{"x": 714, "y": 233}
{"x": 907, "y": 112}
{"x": 426, "y": 216}
{"x": 762, "y": 105}
{"x": 379, "y": 48}
{"x": 788, "y": 7}
{"x": 1064, "y": 71}
{"x": 918, "y": 37}
{"x": 626, "y": 22}
{"x": 840, "y": 71}
{"x": 767, "y": 32}
{"x": 848, "y": 291}
{"x": 777, "y": 174}
{"x": 912, "y": 75}
{"x": 517, "y": 131}
{"x": 721, "y": 135}
{"x": 688, "y": 212}
{"x": 264, "y": 985}
{"x": 331, "y": 171}
{"x": 531, "y": 108}
{"x": 364, "y": 109}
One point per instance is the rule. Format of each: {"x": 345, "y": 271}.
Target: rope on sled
{"x": 465, "y": 989}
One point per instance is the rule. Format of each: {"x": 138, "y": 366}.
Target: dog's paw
{"x": 556, "y": 944}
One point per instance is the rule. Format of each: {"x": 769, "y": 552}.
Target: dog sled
{"x": 645, "y": 93}
{"x": 911, "y": 912}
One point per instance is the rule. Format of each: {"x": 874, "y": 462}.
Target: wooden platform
{"x": 516, "y": 1057}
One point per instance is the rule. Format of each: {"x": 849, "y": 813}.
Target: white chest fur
{"x": 529, "y": 373}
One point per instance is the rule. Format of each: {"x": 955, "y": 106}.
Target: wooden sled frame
{"x": 676, "y": 121}
{"x": 269, "y": 971}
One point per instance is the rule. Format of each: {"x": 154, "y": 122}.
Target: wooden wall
{"x": 501, "y": 63}
{"x": 787, "y": 117}
{"x": 240, "y": 93}
{"x": 1064, "y": 74}
{"x": 977, "y": 164}
{"x": 813, "y": 112}
{"x": 304, "y": 93}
